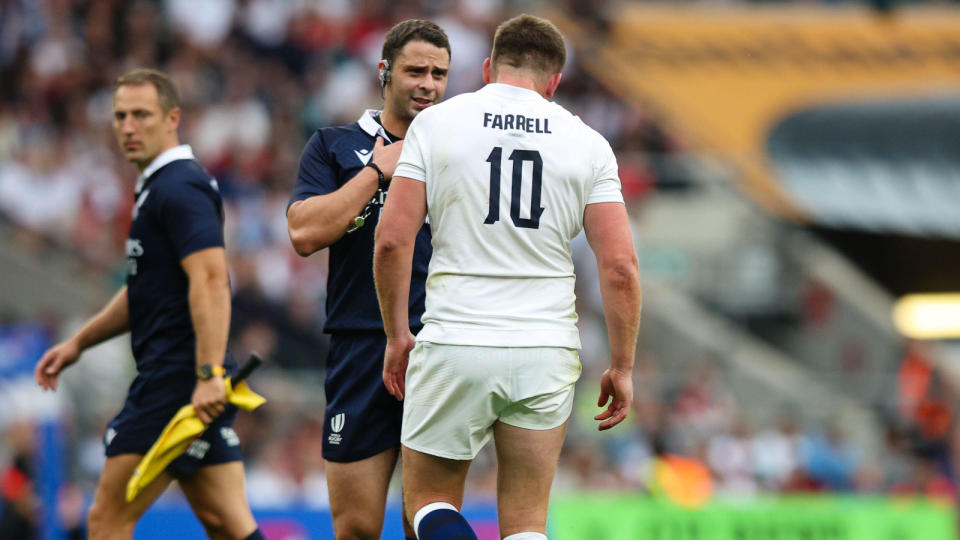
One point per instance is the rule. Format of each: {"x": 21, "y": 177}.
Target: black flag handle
{"x": 247, "y": 368}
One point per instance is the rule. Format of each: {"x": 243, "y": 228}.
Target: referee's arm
{"x": 321, "y": 220}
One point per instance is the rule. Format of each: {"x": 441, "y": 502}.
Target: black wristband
{"x": 381, "y": 179}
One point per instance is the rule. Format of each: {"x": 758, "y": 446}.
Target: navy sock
{"x": 445, "y": 524}
{"x": 255, "y": 535}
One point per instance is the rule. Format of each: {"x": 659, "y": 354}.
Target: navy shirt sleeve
{"x": 192, "y": 216}
{"x": 316, "y": 175}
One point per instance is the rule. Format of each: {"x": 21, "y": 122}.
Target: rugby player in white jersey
{"x": 508, "y": 179}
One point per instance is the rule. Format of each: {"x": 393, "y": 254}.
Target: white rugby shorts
{"x": 455, "y": 393}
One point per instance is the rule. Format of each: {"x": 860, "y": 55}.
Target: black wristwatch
{"x": 205, "y": 372}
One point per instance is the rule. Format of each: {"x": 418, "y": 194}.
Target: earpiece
{"x": 384, "y": 73}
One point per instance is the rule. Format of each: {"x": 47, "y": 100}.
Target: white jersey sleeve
{"x": 606, "y": 187}
{"x": 412, "y": 160}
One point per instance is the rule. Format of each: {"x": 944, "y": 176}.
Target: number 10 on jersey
{"x": 517, "y": 157}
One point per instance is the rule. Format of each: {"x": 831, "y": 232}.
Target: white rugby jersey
{"x": 508, "y": 174}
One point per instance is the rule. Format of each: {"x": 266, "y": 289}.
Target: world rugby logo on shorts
{"x": 336, "y": 425}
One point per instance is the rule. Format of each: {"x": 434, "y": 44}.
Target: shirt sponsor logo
{"x": 336, "y": 425}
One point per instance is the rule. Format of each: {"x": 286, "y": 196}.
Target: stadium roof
{"x": 835, "y": 117}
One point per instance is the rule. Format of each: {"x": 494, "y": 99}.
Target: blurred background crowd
{"x": 766, "y": 361}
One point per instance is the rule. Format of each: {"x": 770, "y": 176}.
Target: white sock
{"x": 422, "y": 513}
{"x": 526, "y": 536}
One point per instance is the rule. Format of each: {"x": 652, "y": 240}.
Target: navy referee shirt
{"x": 178, "y": 211}
{"x": 333, "y": 156}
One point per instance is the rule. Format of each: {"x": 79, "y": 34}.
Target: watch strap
{"x": 209, "y": 371}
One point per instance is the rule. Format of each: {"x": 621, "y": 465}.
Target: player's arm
{"x": 402, "y": 216}
{"x": 111, "y": 321}
{"x": 209, "y": 300}
{"x": 608, "y": 233}
{"x": 316, "y": 222}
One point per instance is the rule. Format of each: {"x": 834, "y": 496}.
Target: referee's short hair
{"x": 529, "y": 42}
{"x": 413, "y": 30}
{"x": 167, "y": 95}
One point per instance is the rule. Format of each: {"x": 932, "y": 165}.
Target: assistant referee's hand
{"x": 395, "y": 359}
{"x": 616, "y": 386}
{"x": 53, "y": 361}
{"x": 209, "y": 398}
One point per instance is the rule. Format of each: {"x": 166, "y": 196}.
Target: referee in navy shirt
{"x": 340, "y": 188}
{"x": 176, "y": 306}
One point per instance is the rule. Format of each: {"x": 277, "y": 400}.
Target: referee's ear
{"x": 173, "y": 118}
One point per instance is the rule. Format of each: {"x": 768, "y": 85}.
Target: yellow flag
{"x": 180, "y": 432}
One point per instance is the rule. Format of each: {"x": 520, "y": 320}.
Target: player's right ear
{"x": 552, "y": 83}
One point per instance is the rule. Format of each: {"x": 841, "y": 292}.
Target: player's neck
{"x": 522, "y": 82}
{"x": 518, "y": 81}
{"x": 521, "y": 77}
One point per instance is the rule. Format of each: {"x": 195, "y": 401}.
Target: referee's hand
{"x": 209, "y": 398}
{"x": 386, "y": 156}
{"x": 616, "y": 386}
{"x": 395, "y": 359}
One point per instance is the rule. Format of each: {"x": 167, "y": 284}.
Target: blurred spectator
{"x": 71, "y": 511}
{"x": 204, "y": 24}
{"x": 19, "y": 509}
{"x": 731, "y": 456}
{"x": 702, "y": 407}
{"x": 830, "y": 459}
{"x": 926, "y": 479}
{"x": 776, "y": 453}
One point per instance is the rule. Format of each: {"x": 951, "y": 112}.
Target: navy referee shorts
{"x": 361, "y": 418}
{"x": 153, "y": 400}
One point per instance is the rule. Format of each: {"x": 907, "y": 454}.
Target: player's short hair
{"x": 167, "y": 95}
{"x": 529, "y": 42}
{"x": 413, "y": 30}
